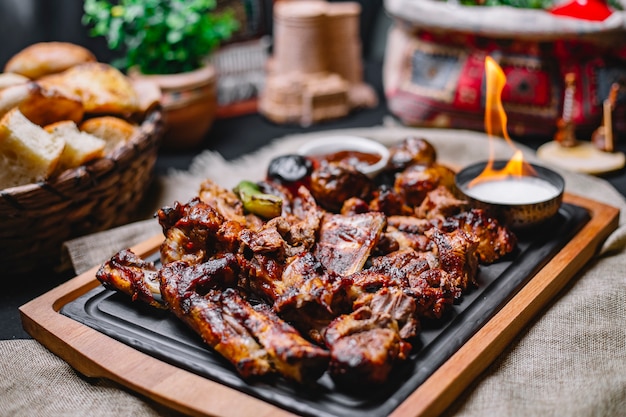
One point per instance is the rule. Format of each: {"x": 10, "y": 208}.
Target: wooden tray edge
{"x": 96, "y": 355}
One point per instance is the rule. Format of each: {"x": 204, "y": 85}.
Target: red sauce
{"x": 355, "y": 158}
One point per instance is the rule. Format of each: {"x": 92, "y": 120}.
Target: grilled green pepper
{"x": 257, "y": 202}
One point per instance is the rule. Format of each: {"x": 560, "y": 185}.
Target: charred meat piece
{"x": 354, "y": 205}
{"x": 367, "y": 357}
{"x": 457, "y": 256}
{"x": 310, "y": 296}
{"x": 179, "y": 279}
{"x": 403, "y": 240}
{"x": 386, "y": 200}
{"x": 383, "y": 199}
{"x": 224, "y": 201}
{"x": 254, "y": 340}
{"x": 289, "y": 353}
{"x": 417, "y": 180}
{"x": 411, "y": 150}
{"x": 301, "y": 291}
{"x": 129, "y": 274}
{"x": 345, "y": 242}
{"x": 408, "y": 233}
{"x": 189, "y": 231}
{"x": 287, "y": 235}
{"x": 393, "y": 301}
{"x": 261, "y": 275}
{"x": 440, "y": 203}
{"x": 364, "y": 346}
{"x": 421, "y": 277}
{"x": 412, "y": 224}
{"x": 494, "y": 240}
{"x": 333, "y": 183}
{"x": 305, "y": 221}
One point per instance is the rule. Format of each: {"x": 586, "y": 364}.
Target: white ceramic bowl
{"x": 332, "y": 144}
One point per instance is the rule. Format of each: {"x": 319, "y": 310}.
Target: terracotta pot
{"x": 189, "y": 103}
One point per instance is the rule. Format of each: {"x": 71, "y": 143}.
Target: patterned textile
{"x": 437, "y": 78}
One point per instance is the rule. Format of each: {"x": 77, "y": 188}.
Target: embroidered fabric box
{"x": 434, "y": 66}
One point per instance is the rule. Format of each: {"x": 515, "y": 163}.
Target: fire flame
{"x": 495, "y": 125}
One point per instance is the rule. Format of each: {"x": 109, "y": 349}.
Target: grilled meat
{"x": 417, "y": 180}
{"x": 410, "y": 151}
{"x": 311, "y": 296}
{"x": 129, "y": 274}
{"x": 440, "y": 203}
{"x": 345, "y": 242}
{"x": 224, "y": 201}
{"x": 456, "y": 252}
{"x": 333, "y": 183}
{"x": 494, "y": 240}
{"x": 366, "y": 344}
{"x": 190, "y": 231}
{"x": 340, "y": 281}
{"x": 254, "y": 339}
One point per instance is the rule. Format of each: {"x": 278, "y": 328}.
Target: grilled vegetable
{"x": 255, "y": 201}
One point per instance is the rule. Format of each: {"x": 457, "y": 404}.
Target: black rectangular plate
{"x": 161, "y": 335}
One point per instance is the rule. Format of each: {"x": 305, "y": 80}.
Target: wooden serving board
{"x": 95, "y": 354}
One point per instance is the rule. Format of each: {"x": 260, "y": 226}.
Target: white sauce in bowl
{"x": 523, "y": 190}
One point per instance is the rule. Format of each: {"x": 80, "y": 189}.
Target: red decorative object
{"x": 595, "y": 10}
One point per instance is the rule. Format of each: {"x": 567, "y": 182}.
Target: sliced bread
{"x": 28, "y": 154}
{"x": 115, "y": 131}
{"x": 80, "y": 147}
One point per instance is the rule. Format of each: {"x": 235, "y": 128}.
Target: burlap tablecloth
{"x": 570, "y": 361}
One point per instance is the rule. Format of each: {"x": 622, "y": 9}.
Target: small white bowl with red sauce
{"x": 366, "y": 155}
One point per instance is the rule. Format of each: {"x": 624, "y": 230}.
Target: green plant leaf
{"x": 160, "y": 36}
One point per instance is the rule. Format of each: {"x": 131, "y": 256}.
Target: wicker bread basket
{"x": 37, "y": 218}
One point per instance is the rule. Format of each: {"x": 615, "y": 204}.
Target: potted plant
{"x": 169, "y": 43}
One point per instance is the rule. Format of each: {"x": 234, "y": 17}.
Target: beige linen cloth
{"x": 570, "y": 361}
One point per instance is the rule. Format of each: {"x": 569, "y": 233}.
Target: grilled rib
{"x": 255, "y": 340}
{"x": 127, "y": 273}
{"x": 345, "y": 242}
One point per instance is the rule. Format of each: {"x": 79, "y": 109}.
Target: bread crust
{"x": 44, "y": 106}
{"x": 46, "y": 58}
{"x": 80, "y": 147}
{"x": 28, "y": 153}
{"x": 115, "y": 131}
{"x": 102, "y": 88}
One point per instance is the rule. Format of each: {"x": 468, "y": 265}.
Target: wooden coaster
{"x": 584, "y": 157}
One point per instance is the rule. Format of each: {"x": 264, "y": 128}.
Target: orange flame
{"x": 495, "y": 125}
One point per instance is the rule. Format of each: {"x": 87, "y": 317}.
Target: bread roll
{"x": 101, "y": 87}
{"x": 28, "y": 153}
{"x": 8, "y": 79}
{"x": 115, "y": 131}
{"x": 11, "y": 97}
{"x": 45, "y": 58}
{"x": 80, "y": 147}
{"x": 148, "y": 93}
{"x": 44, "y": 106}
